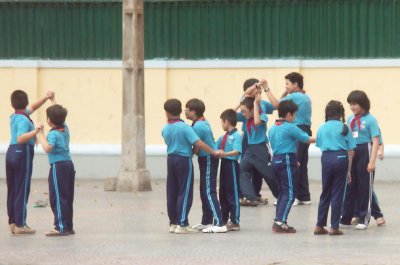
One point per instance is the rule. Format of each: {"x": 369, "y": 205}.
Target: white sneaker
{"x": 275, "y": 203}
{"x": 215, "y": 229}
{"x": 343, "y": 226}
{"x": 361, "y": 227}
{"x": 200, "y": 227}
{"x": 298, "y": 202}
{"x": 185, "y": 230}
{"x": 172, "y": 228}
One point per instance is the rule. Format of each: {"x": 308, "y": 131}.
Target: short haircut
{"x": 359, "y": 97}
{"x": 285, "y": 107}
{"x": 295, "y": 78}
{"x": 230, "y": 116}
{"x": 57, "y": 114}
{"x": 197, "y": 106}
{"x": 19, "y": 99}
{"x": 249, "y": 82}
{"x": 173, "y": 107}
{"x": 248, "y": 102}
{"x": 335, "y": 111}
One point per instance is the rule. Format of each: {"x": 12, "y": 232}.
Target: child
{"x": 19, "y": 160}
{"x": 180, "y": 138}
{"x": 208, "y": 165}
{"x": 366, "y": 134}
{"x": 257, "y": 154}
{"x": 231, "y": 145}
{"x": 62, "y": 171}
{"x": 284, "y": 136}
{"x": 337, "y": 144}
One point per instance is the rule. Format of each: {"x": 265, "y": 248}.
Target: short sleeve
{"x": 199, "y": 130}
{"x": 52, "y": 139}
{"x": 23, "y": 127}
{"x": 218, "y": 143}
{"x": 240, "y": 117}
{"x": 237, "y": 143}
{"x": 190, "y": 135}
{"x": 374, "y": 128}
{"x": 267, "y": 107}
{"x": 263, "y": 117}
{"x": 298, "y": 134}
{"x": 318, "y": 139}
{"x": 351, "y": 144}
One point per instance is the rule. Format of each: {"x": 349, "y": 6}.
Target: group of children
{"x": 19, "y": 160}
{"x": 278, "y": 155}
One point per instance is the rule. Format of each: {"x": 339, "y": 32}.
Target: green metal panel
{"x": 199, "y": 29}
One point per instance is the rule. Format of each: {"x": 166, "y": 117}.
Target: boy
{"x": 180, "y": 138}
{"x": 19, "y": 160}
{"x": 231, "y": 145}
{"x": 284, "y": 136}
{"x": 208, "y": 166}
{"x": 62, "y": 171}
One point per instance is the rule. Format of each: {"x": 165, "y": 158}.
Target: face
{"x": 190, "y": 115}
{"x": 246, "y": 112}
{"x": 355, "y": 108}
{"x": 290, "y": 87}
{"x": 225, "y": 125}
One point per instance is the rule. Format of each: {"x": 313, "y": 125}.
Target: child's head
{"x": 56, "y": 115}
{"x": 194, "y": 109}
{"x": 334, "y": 111}
{"x": 359, "y": 102}
{"x": 294, "y": 82}
{"x": 247, "y": 107}
{"x": 173, "y": 108}
{"x": 287, "y": 110}
{"x": 19, "y": 100}
{"x": 228, "y": 119}
{"x": 249, "y": 83}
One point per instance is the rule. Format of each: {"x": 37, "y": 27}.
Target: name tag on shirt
{"x": 355, "y": 134}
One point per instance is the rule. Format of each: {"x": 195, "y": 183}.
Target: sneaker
{"x": 247, "y": 202}
{"x": 320, "y": 231}
{"x": 233, "y": 227}
{"x": 283, "y": 228}
{"x": 200, "y": 227}
{"x": 185, "y": 230}
{"x": 172, "y": 228}
{"x": 54, "y": 233}
{"x": 345, "y": 226}
{"x": 215, "y": 229}
{"x": 361, "y": 227}
{"x": 275, "y": 203}
{"x": 298, "y": 202}
{"x": 380, "y": 221}
{"x": 355, "y": 220}
{"x": 12, "y": 227}
{"x": 26, "y": 230}
{"x": 262, "y": 201}
{"x": 335, "y": 232}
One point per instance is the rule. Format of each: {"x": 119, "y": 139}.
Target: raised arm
{"x": 256, "y": 109}
{"x": 271, "y": 97}
{"x": 34, "y": 106}
{"x": 42, "y": 140}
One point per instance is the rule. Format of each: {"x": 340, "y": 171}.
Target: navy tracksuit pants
{"x": 303, "y": 192}
{"x": 179, "y": 189}
{"x": 19, "y": 160}
{"x": 229, "y": 191}
{"x": 61, "y": 191}
{"x": 257, "y": 158}
{"x": 208, "y": 190}
{"x": 335, "y": 165}
{"x": 257, "y": 178}
{"x": 286, "y": 170}
{"x": 359, "y": 193}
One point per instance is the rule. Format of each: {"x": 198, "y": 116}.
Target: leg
{"x": 375, "y": 209}
{"x": 207, "y": 217}
{"x": 364, "y": 187}
{"x": 10, "y": 176}
{"x": 211, "y": 187}
{"x": 184, "y": 172}
{"x": 65, "y": 178}
{"x": 257, "y": 181}
{"x": 338, "y": 187}
{"x": 246, "y": 169}
{"x": 172, "y": 192}
{"x": 233, "y": 192}
{"x": 223, "y": 191}
{"x": 325, "y": 199}
{"x": 350, "y": 195}
{"x": 303, "y": 187}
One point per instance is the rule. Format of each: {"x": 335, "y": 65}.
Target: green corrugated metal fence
{"x": 204, "y": 29}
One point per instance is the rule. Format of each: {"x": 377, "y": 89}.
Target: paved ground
{"x": 124, "y": 228}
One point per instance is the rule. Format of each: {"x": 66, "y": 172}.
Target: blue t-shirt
{"x": 303, "y": 101}
{"x": 59, "y": 141}
{"x": 179, "y": 138}
{"x": 233, "y": 143}
{"x": 330, "y": 138}
{"x": 20, "y": 124}
{"x": 257, "y": 133}
{"x": 266, "y": 108}
{"x": 203, "y": 130}
{"x": 369, "y": 129}
{"x": 284, "y": 137}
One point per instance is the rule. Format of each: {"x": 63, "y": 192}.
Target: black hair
{"x": 57, "y": 114}
{"x": 359, "y": 97}
{"x": 285, "y": 107}
{"x": 230, "y": 116}
{"x": 19, "y": 100}
{"x": 249, "y": 82}
{"x": 197, "y": 106}
{"x": 248, "y": 102}
{"x": 335, "y": 111}
{"x": 295, "y": 78}
{"x": 173, "y": 107}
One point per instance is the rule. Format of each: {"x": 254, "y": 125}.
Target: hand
{"x": 381, "y": 154}
{"x": 257, "y": 99}
{"x": 39, "y": 128}
{"x": 222, "y": 153}
{"x": 371, "y": 167}
{"x": 217, "y": 153}
{"x": 263, "y": 83}
{"x": 50, "y": 95}
{"x": 349, "y": 178}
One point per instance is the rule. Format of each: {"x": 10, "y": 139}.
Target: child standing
{"x": 231, "y": 145}
{"x": 208, "y": 166}
{"x": 180, "y": 138}
{"x": 366, "y": 133}
{"x": 284, "y": 136}
{"x": 62, "y": 170}
{"x": 19, "y": 159}
{"x": 336, "y": 143}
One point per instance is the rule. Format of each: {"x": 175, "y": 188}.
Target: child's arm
{"x": 274, "y": 101}
{"x": 43, "y": 141}
{"x": 203, "y": 146}
{"x": 230, "y": 153}
{"x": 351, "y": 155}
{"x": 257, "y": 119}
{"x": 26, "y": 137}
{"x": 375, "y": 146}
{"x": 33, "y": 107}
